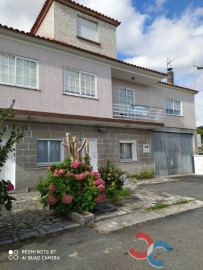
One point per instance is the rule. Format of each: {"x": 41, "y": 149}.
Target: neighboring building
{"x": 65, "y": 75}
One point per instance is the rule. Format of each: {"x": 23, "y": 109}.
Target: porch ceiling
{"x": 136, "y": 77}
{"x": 85, "y": 120}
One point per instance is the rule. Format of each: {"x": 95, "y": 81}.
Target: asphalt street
{"x": 86, "y": 249}
{"x": 190, "y": 185}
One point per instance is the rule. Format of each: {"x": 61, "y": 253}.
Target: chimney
{"x": 170, "y": 76}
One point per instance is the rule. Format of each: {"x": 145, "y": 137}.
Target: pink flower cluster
{"x": 96, "y": 174}
{"x": 10, "y": 187}
{"x": 100, "y": 198}
{"x": 51, "y": 200}
{"x": 67, "y": 199}
{"x": 75, "y": 165}
{"x": 58, "y": 172}
{"x": 52, "y": 188}
{"x": 100, "y": 184}
{"x": 81, "y": 176}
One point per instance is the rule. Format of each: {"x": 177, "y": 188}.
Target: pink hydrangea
{"x": 52, "y": 188}
{"x": 75, "y": 165}
{"x": 10, "y": 187}
{"x": 101, "y": 188}
{"x": 67, "y": 199}
{"x": 81, "y": 176}
{"x": 100, "y": 198}
{"x": 58, "y": 172}
{"x": 98, "y": 182}
{"x": 48, "y": 168}
{"x": 51, "y": 200}
{"x": 96, "y": 174}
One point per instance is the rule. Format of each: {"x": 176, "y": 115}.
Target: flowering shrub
{"x": 113, "y": 177}
{"x": 5, "y": 198}
{"x": 71, "y": 187}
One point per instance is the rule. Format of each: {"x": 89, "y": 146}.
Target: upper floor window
{"x": 126, "y": 96}
{"x": 87, "y": 29}
{"x": 79, "y": 83}
{"x": 173, "y": 107}
{"x": 18, "y": 71}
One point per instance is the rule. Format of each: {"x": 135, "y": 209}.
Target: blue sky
{"x": 151, "y": 32}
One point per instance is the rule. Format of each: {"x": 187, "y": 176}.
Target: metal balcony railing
{"x": 137, "y": 112}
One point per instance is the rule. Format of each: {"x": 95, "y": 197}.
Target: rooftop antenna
{"x": 198, "y": 67}
{"x": 169, "y": 61}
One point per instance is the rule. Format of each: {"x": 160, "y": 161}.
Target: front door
{"x": 8, "y": 170}
{"x": 93, "y": 153}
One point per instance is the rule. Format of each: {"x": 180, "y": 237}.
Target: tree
{"x": 15, "y": 135}
{"x": 200, "y": 130}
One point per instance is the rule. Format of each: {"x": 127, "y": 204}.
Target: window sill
{"x": 127, "y": 160}
{"x": 21, "y": 87}
{"x": 89, "y": 40}
{"x": 168, "y": 114}
{"x": 78, "y": 96}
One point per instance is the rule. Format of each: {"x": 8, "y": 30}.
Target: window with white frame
{"x": 79, "y": 83}
{"x": 49, "y": 151}
{"x": 18, "y": 71}
{"x": 173, "y": 107}
{"x": 126, "y": 95}
{"x": 87, "y": 29}
{"x": 128, "y": 151}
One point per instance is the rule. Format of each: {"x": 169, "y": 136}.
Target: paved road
{"x": 88, "y": 250}
{"x": 191, "y": 186}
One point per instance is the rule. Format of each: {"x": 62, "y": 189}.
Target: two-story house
{"x": 66, "y": 76}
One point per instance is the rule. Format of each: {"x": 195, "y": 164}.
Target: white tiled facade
{"x": 61, "y": 24}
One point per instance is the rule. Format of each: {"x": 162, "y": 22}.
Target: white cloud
{"x": 20, "y": 14}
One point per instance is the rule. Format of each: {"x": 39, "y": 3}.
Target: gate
{"x": 173, "y": 153}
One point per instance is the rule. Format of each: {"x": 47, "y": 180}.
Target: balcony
{"x": 137, "y": 112}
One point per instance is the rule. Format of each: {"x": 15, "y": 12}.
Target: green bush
{"x": 112, "y": 175}
{"x": 71, "y": 187}
{"x": 144, "y": 175}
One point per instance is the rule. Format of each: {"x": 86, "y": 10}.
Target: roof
{"x": 181, "y": 87}
{"x": 64, "y": 44}
{"x": 73, "y": 5}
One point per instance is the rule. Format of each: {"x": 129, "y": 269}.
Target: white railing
{"x": 137, "y": 112}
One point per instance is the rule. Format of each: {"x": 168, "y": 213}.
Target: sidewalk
{"x": 28, "y": 219}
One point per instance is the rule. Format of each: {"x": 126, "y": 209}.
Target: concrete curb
{"x": 128, "y": 220}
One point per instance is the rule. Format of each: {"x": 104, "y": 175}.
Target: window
{"x": 128, "y": 151}
{"x": 49, "y": 151}
{"x": 173, "y": 107}
{"x": 87, "y": 29}
{"x": 126, "y": 96}
{"x": 18, "y": 71}
{"x": 79, "y": 83}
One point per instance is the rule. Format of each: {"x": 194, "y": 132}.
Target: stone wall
{"x": 28, "y": 173}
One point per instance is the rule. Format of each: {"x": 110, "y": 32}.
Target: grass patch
{"x": 144, "y": 175}
{"x": 115, "y": 194}
{"x": 162, "y": 206}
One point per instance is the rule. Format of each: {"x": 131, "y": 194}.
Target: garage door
{"x": 173, "y": 153}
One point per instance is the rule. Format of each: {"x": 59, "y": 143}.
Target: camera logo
{"x": 13, "y": 255}
{"x": 148, "y": 254}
